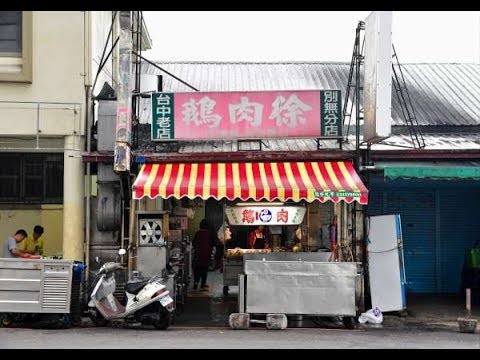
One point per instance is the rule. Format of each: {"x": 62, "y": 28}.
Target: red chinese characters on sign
{"x": 268, "y": 215}
{"x": 282, "y": 216}
{"x": 246, "y": 115}
{"x": 248, "y": 216}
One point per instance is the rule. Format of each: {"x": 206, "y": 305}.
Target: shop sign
{"x": 162, "y": 117}
{"x": 265, "y": 215}
{"x": 342, "y": 194}
{"x": 246, "y": 115}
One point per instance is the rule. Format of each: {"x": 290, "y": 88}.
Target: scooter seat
{"x": 135, "y": 287}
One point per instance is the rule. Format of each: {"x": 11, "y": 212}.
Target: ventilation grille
{"x": 55, "y": 294}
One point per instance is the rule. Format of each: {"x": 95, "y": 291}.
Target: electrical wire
{"x": 383, "y": 251}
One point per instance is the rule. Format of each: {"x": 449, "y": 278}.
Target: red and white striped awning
{"x": 323, "y": 181}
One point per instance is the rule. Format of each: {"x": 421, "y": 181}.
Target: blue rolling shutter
{"x": 415, "y": 202}
{"x": 417, "y": 211}
{"x": 459, "y": 231}
{"x": 375, "y": 202}
{"x": 439, "y": 223}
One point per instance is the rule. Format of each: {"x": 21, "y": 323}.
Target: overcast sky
{"x": 418, "y": 36}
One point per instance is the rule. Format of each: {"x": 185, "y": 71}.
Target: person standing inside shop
{"x": 202, "y": 252}
{"x": 258, "y": 238}
{"x": 33, "y": 244}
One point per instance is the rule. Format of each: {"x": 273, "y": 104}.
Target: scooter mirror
{"x": 97, "y": 259}
{"x": 122, "y": 252}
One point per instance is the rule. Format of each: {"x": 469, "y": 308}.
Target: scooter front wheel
{"x": 97, "y": 318}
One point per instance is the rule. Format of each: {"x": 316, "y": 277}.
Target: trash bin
{"x": 75, "y": 303}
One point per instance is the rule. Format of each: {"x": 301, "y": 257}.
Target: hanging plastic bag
{"x": 372, "y": 316}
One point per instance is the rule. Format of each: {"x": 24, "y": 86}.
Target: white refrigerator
{"x": 386, "y": 268}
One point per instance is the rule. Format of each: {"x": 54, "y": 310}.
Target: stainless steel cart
{"x": 297, "y": 287}
{"x": 233, "y": 265}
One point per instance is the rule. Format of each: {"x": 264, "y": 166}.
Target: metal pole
{"x": 122, "y": 230}
{"x": 357, "y": 93}
{"x": 132, "y": 253}
{"x": 469, "y": 305}
{"x": 88, "y": 117}
{"x": 38, "y": 124}
{"x": 354, "y": 231}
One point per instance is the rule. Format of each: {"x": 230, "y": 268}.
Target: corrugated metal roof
{"x": 432, "y": 142}
{"x": 442, "y": 94}
{"x": 395, "y": 142}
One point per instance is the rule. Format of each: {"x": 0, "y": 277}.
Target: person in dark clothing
{"x": 202, "y": 247}
{"x": 258, "y": 238}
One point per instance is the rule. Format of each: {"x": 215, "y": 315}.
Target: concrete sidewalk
{"x": 210, "y": 309}
{"x": 431, "y": 312}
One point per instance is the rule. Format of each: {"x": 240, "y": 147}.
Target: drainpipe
{"x": 88, "y": 128}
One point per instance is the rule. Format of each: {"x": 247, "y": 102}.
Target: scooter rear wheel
{"x": 7, "y": 319}
{"x": 164, "y": 322}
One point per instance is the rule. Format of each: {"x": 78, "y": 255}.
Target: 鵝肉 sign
{"x": 246, "y": 115}
{"x": 265, "y": 215}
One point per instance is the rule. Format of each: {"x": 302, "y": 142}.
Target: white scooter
{"x": 148, "y": 302}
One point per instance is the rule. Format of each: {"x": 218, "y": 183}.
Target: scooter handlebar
{"x": 109, "y": 267}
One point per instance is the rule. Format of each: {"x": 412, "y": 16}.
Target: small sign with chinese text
{"x": 331, "y": 110}
{"x": 162, "y": 117}
{"x": 341, "y": 194}
{"x": 246, "y": 115}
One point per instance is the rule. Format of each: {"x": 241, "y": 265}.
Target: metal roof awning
{"x": 322, "y": 181}
{"x": 440, "y": 170}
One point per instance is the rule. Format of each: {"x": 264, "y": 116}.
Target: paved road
{"x": 182, "y": 337}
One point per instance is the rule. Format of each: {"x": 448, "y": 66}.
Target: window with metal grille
{"x": 31, "y": 178}
{"x": 10, "y": 33}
